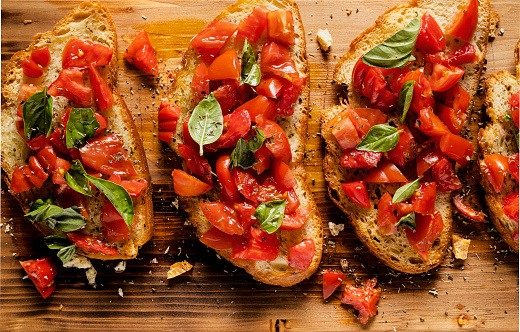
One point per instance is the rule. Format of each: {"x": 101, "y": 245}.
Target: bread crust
{"x": 276, "y": 272}
{"x": 91, "y": 20}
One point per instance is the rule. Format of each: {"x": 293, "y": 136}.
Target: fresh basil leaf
{"x": 271, "y": 214}
{"x": 396, "y": 51}
{"x": 507, "y": 118}
{"x": 405, "y": 99}
{"x": 80, "y": 127}
{"x": 39, "y": 203}
{"x": 243, "y": 154}
{"x": 408, "y": 221}
{"x": 206, "y": 122}
{"x": 77, "y": 180}
{"x": 250, "y": 71}
{"x": 380, "y": 138}
{"x": 66, "y": 249}
{"x": 256, "y": 142}
{"x": 66, "y": 254}
{"x": 43, "y": 212}
{"x": 69, "y": 220}
{"x": 37, "y": 115}
{"x": 406, "y": 191}
{"x": 118, "y": 196}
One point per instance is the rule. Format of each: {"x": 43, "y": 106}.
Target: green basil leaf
{"x": 380, "y": 138}
{"x": 81, "y": 127}
{"x": 243, "y": 154}
{"x": 37, "y": 115}
{"x": 271, "y": 214}
{"x": 250, "y": 71}
{"x": 65, "y": 254}
{"x": 406, "y": 191}
{"x": 405, "y": 99}
{"x": 206, "y": 122}
{"x": 77, "y": 180}
{"x": 256, "y": 141}
{"x": 118, "y": 196}
{"x": 396, "y": 51}
{"x": 407, "y": 220}
{"x": 56, "y": 242}
{"x": 69, "y": 220}
{"x": 507, "y": 118}
{"x": 42, "y": 212}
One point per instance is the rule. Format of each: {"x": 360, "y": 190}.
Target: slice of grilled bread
{"x": 275, "y": 272}
{"x": 499, "y": 137}
{"x": 394, "y": 250}
{"x": 89, "y": 21}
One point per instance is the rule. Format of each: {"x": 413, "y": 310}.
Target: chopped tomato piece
{"x": 216, "y": 239}
{"x": 19, "y": 182}
{"x": 245, "y": 212}
{"x": 444, "y": 176}
{"x": 252, "y": 26}
{"x": 236, "y": 126}
{"x": 283, "y": 174}
{"x": 405, "y": 148}
{"x": 57, "y": 141}
{"x": 26, "y": 90}
{"x": 456, "y": 147}
{"x": 31, "y": 69}
{"x": 422, "y": 91}
{"x": 196, "y": 163}
{"x": 167, "y": 117}
{"x": 277, "y": 60}
{"x": 430, "y": 124}
{"x": 386, "y": 172}
{"x": 296, "y": 219}
{"x": 226, "y": 95}
{"x": 114, "y": 226}
{"x": 212, "y": 38}
{"x": 467, "y": 210}
{"x": 402, "y": 209}
{"x": 270, "y": 86}
{"x": 423, "y": 199}
{"x": 42, "y": 272}
{"x": 357, "y": 192}
{"x": 37, "y": 170}
{"x": 260, "y": 246}
{"x": 360, "y": 159}
{"x": 134, "y": 187}
{"x": 301, "y": 255}
{"x": 102, "y": 124}
{"x": 427, "y": 158}
{"x": 41, "y": 56}
{"x": 512, "y": 165}
{"x": 60, "y": 168}
{"x": 427, "y": 230}
{"x": 510, "y": 206}
{"x": 141, "y": 54}
{"x": 47, "y": 158}
{"x": 495, "y": 169}
{"x": 276, "y": 140}
{"x": 79, "y": 54}
{"x": 92, "y": 244}
{"x": 290, "y": 94}
{"x": 259, "y": 106}
{"x": 38, "y": 143}
{"x": 229, "y": 191}
{"x": 386, "y": 219}
{"x": 223, "y": 216}
{"x": 344, "y": 130}
{"x": 452, "y": 118}
{"x": 225, "y": 66}
{"x": 364, "y": 300}
{"x": 280, "y": 27}
{"x": 188, "y": 185}
{"x": 372, "y": 115}
{"x": 456, "y": 98}
{"x": 331, "y": 281}
{"x": 70, "y": 85}
{"x": 102, "y": 94}
{"x": 464, "y": 23}
{"x": 263, "y": 156}
{"x": 444, "y": 77}
{"x": 465, "y": 54}
{"x": 246, "y": 183}
{"x": 200, "y": 83}
{"x": 431, "y": 38}
{"x": 272, "y": 190}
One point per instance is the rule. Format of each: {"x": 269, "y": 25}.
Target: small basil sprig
{"x": 206, "y": 122}
{"x": 244, "y": 153}
{"x": 37, "y": 115}
{"x": 80, "y": 127}
{"x": 507, "y": 118}
{"x": 76, "y": 179}
{"x": 250, "y": 71}
{"x": 66, "y": 248}
{"x": 408, "y": 221}
{"x": 405, "y": 99}
{"x": 396, "y": 51}
{"x": 380, "y": 138}
{"x": 406, "y": 191}
{"x": 64, "y": 220}
{"x": 271, "y": 214}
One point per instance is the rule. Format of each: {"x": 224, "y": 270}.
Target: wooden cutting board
{"x": 480, "y": 293}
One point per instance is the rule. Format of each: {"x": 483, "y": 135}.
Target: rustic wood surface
{"x": 215, "y": 295}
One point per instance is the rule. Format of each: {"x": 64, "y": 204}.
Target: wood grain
{"x": 215, "y": 295}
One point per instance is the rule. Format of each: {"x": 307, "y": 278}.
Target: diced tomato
{"x": 290, "y": 94}
{"x": 38, "y": 143}
{"x": 437, "y": 57}
{"x": 296, "y": 219}
{"x": 357, "y": 192}
{"x": 92, "y": 244}
{"x": 200, "y": 83}
{"x": 515, "y": 114}
{"x": 495, "y": 168}
{"x": 134, "y": 187}
{"x": 430, "y": 124}
{"x": 106, "y": 154}
{"x": 225, "y": 66}
{"x": 188, "y": 185}
{"x": 271, "y": 190}
{"x": 60, "y": 168}
{"x": 512, "y": 165}
{"x": 47, "y": 158}
{"x": 331, "y": 281}
{"x": 102, "y": 124}
{"x": 276, "y": 140}
{"x": 444, "y": 176}
{"x": 68, "y": 197}
{"x": 223, "y": 216}
{"x": 167, "y": 117}
{"x": 280, "y": 27}
{"x": 245, "y": 213}
{"x": 270, "y": 86}
{"x": 452, "y": 118}
{"x": 514, "y": 101}
{"x": 79, "y": 54}
{"x": 261, "y": 246}
{"x": 38, "y": 170}
{"x": 259, "y": 106}
{"x": 344, "y": 130}
{"x": 277, "y": 60}
{"x": 216, "y": 239}
{"x": 386, "y": 219}
{"x": 431, "y": 38}
{"x": 226, "y": 95}
{"x": 70, "y": 85}
{"x": 465, "y": 54}
{"x": 263, "y": 156}
{"x": 405, "y": 148}
{"x": 301, "y": 255}
{"x": 41, "y": 56}
{"x": 212, "y": 38}
{"x": 372, "y": 115}
{"x": 427, "y": 158}
{"x": 510, "y": 205}
{"x": 283, "y": 174}
{"x": 360, "y": 159}
{"x": 371, "y": 83}
{"x": 423, "y": 199}
{"x": 19, "y": 182}
{"x": 464, "y": 23}
{"x": 402, "y": 209}
{"x": 246, "y": 183}
{"x": 456, "y": 98}
{"x": 236, "y": 126}
{"x": 229, "y": 191}
{"x": 114, "y": 226}
{"x": 386, "y": 172}
{"x": 142, "y": 54}
{"x": 456, "y": 147}
{"x": 444, "y": 77}
{"x": 422, "y": 91}
{"x": 427, "y": 230}
{"x": 196, "y": 163}
{"x": 102, "y": 94}
{"x": 42, "y": 272}
{"x": 27, "y": 90}
{"x": 466, "y": 210}
{"x": 31, "y": 69}
{"x": 57, "y": 142}
{"x": 29, "y": 174}
{"x": 364, "y": 300}
{"x": 252, "y": 26}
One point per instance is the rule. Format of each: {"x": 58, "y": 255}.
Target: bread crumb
{"x": 324, "y": 39}
{"x": 120, "y": 292}
{"x": 335, "y": 229}
{"x": 178, "y": 268}
{"x": 154, "y": 261}
{"x": 61, "y": 307}
{"x": 344, "y": 264}
{"x": 120, "y": 267}
{"x": 25, "y": 22}
{"x": 81, "y": 262}
{"x": 460, "y": 246}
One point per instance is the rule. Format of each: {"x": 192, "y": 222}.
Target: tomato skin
{"x": 452, "y": 118}
{"x": 259, "y": 106}
{"x": 115, "y": 228}
{"x": 19, "y": 182}
{"x": 277, "y": 60}
{"x": 47, "y": 158}
{"x": 196, "y": 163}
{"x": 360, "y": 159}
{"x": 92, "y": 244}
{"x": 331, "y": 281}
{"x": 237, "y": 124}
{"x": 263, "y": 156}
{"x": 512, "y": 165}
{"x": 363, "y": 300}
{"x": 466, "y": 210}
{"x": 444, "y": 176}
{"x": 42, "y": 272}
{"x": 290, "y": 94}
{"x": 60, "y": 168}
{"x": 38, "y": 170}
{"x": 225, "y": 66}
{"x": 200, "y": 83}
{"x": 301, "y": 255}
{"x": 31, "y": 69}
{"x": 79, "y": 54}
{"x": 430, "y": 124}
{"x": 444, "y": 77}
{"x": 167, "y": 118}
{"x": 57, "y": 141}
{"x": 222, "y": 216}
{"x": 386, "y": 219}
{"x": 404, "y": 151}
{"x": 246, "y": 183}
{"x": 427, "y": 158}
{"x": 283, "y": 174}
{"x": 41, "y": 56}
{"x": 465, "y": 54}
{"x": 216, "y": 239}
{"x": 260, "y": 246}
{"x": 423, "y": 199}
{"x": 428, "y": 229}
{"x": 245, "y": 212}
{"x": 296, "y": 219}
{"x": 510, "y": 206}
{"x": 431, "y": 38}
{"x": 270, "y": 86}
{"x": 188, "y": 185}
{"x": 456, "y": 98}
{"x": 252, "y": 26}
{"x": 275, "y": 140}
{"x": 142, "y": 54}
{"x": 280, "y": 27}
{"x": 464, "y": 23}
{"x": 106, "y": 154}
{"x": 357, "y": 192}
{"x": 70, "y": 85}
{"x": 386, "y": 172}
{"x": 226, "y": 95}
{"x": 102, "y": 94}
{"x": 495, "y": 168}
{"x": 456, "y": 147}
{"x": 212, "y": 38}
{"x": 134, "y": 187}
{"x": 38, "y": 143}
{"x": 229, "y": 191}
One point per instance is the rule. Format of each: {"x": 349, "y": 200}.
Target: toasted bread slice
{"x": 89, "y": 21}
{"x": 275, "y": 272}
{"x": 394, "y": 250}
{"x": 499, "y": 137}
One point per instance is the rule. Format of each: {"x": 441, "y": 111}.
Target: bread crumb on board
{"x": 178, "y": 268}
{"x": 81, "y": 262}
{"x": 335, "y": 229}
{"x": 460, "y": 246}
{"x": 324, "y": 39}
